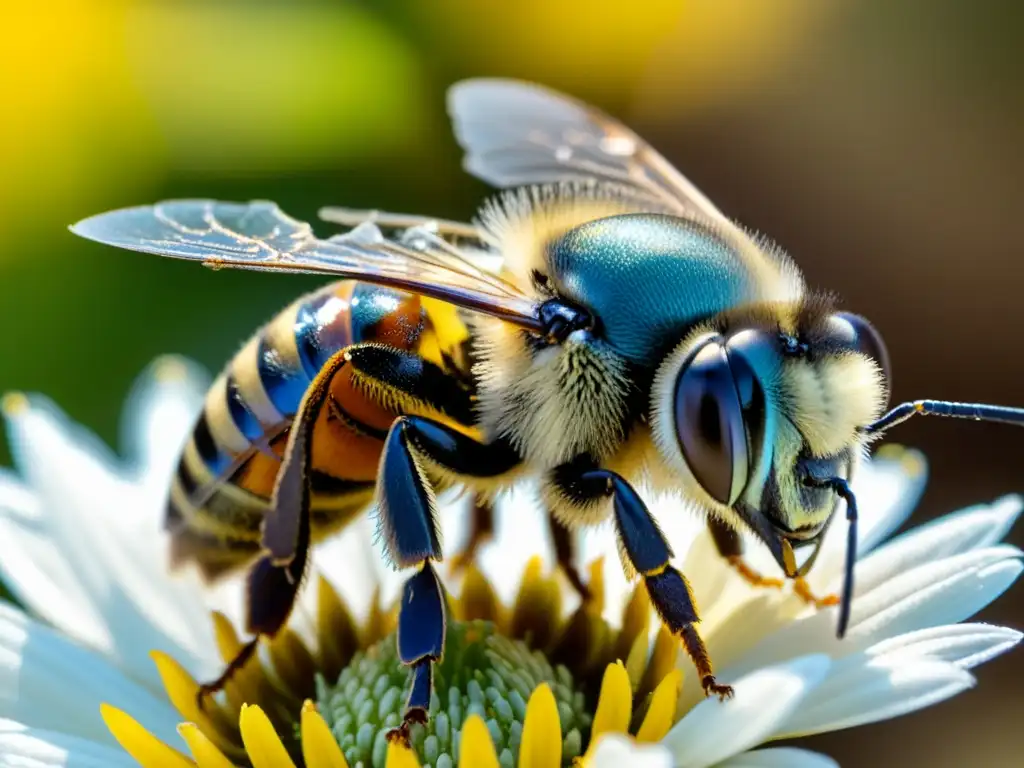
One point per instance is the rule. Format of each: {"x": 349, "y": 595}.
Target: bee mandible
{"x": 599, "y": 326}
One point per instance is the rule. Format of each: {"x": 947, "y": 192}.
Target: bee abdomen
{"x": 225, "y": 477}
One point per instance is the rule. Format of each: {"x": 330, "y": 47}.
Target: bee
{"x": 600, "y": 326}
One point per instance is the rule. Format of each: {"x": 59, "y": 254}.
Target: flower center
{"x": 482, "y": 672}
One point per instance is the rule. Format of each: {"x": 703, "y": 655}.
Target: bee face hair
{"x": 805, "y": 406}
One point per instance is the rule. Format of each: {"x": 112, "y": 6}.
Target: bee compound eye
{"x": 709, "y": 423}
{"x": 867, "y": 340}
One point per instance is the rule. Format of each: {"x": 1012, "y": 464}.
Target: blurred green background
{"x": 879, "y": 142}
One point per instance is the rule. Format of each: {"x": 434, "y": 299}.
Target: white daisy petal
{"x": 888, "y": 488}
{"x": 92, "y": 518}
{"x": 780, "y": 757}
{"x": 714, "y": 730}
{"x": 945, "y": 592}
{"x": 24, "y": 747}
{"x": 48, "y": 682}
{"x": 974, "y": 528}
{"x": 36, "y": 572}
{"x": 941, "y": 592}
{"x": 15, "y": 499}
{"x": 965, "y": 645}
{"x": 614, "y": 750}
{"x": 161, "y": 409}
{"x": 861, "y": 690}
{"x": 81, "y": 544}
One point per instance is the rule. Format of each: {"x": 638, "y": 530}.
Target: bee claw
{"x": 712, "y": 688}
{"x": 204, "y": 692}
{"x": 400, "y": 735}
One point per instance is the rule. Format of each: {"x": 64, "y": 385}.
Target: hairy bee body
{"x": 623, "y": 333}
{"x": 222, "y": 487}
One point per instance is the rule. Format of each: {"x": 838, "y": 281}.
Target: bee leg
{"x": 408, "y": 525}
{"x": 803, "y": 590}
{"x": 644, "y": 546}
{"x": 730, "y": 546}
{"x": 565, "y": 556}
{"x": 481, "y": 530}
{"x": 273, "y": 582}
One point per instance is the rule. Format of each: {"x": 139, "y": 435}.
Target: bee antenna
{"x": 842, "y": 489}
{"x": 973, "y": 411}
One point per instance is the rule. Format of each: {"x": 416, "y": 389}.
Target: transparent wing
{"x": 517, "y": 133}
{"x": 259, "y": 236}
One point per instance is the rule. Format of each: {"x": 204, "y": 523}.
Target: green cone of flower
{"x": 482, "y": 673}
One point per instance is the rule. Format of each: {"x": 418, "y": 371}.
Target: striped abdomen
{"x": 226, "y": 475}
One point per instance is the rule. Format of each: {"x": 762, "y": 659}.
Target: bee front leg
{"x": 408, "y": 522}
{"x": 644, "y": 547}
{"x": 730, "y": 546}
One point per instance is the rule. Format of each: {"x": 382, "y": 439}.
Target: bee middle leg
{"x": 730, "y": 546}
{"x": 481, "y": 530}
{"x": 565, "y": 556}
{"x": 644, "y": 547}
{"x": 408, "y": 522}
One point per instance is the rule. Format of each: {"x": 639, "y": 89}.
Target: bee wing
{"x": 517, "y": 133}
{"x": 259, "y": 236}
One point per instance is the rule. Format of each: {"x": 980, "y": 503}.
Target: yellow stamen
{"x": 400, "y": 756}
{"x": 662, "y": 710}
{"x": 262, "y": 743}
{"x": 292, "y": 661}
{"x": 539, "y": 598}
{"x": 614, "y": 703}
{"x": 636, "y": 619}
{"x": 181, "y": 690}
{"x": 596, "y": 586}
{"x": 636, "y": 661}
{"x": 336, "y": 630}
{"x": 169, "y": 369}
{"x": 204, "y": 751}
{"x": 663, "y": 660}
{"x": 14, "y": 403}
{"x": 541, "y": 746}
{"x": 146, "y": 748}
{"x": 228, "y": 644}
{"x": 477, "y": 749}
{"x": 478, "y": 600}
{"x": 319, "y": 748}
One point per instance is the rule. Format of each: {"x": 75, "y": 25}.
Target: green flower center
{"x": 482, "y": 673}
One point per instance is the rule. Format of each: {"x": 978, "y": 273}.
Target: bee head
{"x": 762, "y": 422}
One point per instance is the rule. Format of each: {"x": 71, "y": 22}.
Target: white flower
{"x": 81, "y": 548}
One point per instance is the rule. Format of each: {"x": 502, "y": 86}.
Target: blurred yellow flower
{"x": 102, "y": 97}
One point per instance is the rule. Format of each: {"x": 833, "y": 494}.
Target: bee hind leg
{"x": 408, "y": 523}
{"x": 644, "y": 546}
{"x": 273, "y": 582}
